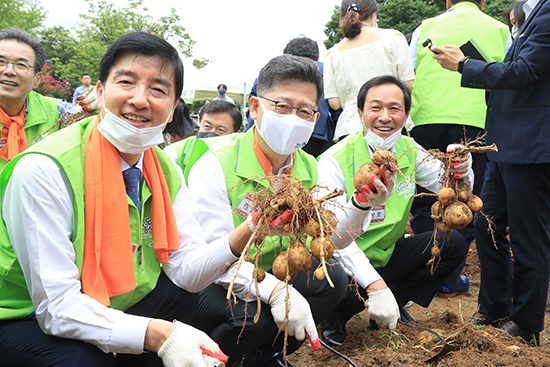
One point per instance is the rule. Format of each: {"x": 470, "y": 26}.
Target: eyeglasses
{"x": 284, "y": 108}
{"x": 18, "y": 66}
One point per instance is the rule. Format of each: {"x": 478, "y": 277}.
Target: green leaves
{"x": 73, "y": 52}
{"x": 26, "y": 14}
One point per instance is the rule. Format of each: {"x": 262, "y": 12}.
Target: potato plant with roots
{"x": 456, "y": 204}
{"x": 309, "y": 216}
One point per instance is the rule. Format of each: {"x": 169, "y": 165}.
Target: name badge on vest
{"x": 147, "y": 228}
{"x": 244, "y": 208}
{"x": 378, "y": 214}
{"x": 3, "y": 142}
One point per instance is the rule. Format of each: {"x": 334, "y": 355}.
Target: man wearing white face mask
{"x": 222, "y": 171}
{"x": 383, "y": 103}
{"x": 100, "y": 250}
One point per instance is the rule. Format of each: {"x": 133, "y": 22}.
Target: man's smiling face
{"x": 138, "y": 90}
{"x": 15, "y": 85}
{"x": 384, "y": 110}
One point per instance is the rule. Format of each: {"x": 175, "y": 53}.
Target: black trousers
{"x": 236, "y": 336}
{"x": 23, "y": 343}
{"x": 439, "y": 136}
{"x": 517, "y": 199}
{"x": 406, "y": 273}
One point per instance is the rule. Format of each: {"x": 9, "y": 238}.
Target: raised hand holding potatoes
{"x": 370, "y": 190}
{"x": 461, "y": 165}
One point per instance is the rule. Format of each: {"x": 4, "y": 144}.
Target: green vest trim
{"x": 42, "y": 115}
{"x": 378, "y": 242}
{"x": 67, "y": 148}
{"x": 437, "y": 97}
{"x": 243, "y": 174}
{"x": 183, "y": 150}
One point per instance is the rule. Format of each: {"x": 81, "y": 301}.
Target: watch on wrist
{"x": 461, "y": 63}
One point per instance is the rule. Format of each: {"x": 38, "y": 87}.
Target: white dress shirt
{"x": 208, "y": 188}
{"x": 428, "y": 172}
{"x": 39, "y": 215}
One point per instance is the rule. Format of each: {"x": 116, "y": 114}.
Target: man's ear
{"x": 37, "y": 80}
{"x": 99, "y": 92}
{"x": 172, "y": 113}
{"x": 253, "y": 107}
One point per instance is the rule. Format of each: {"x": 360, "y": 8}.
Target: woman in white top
{"x": 365, "y": 52}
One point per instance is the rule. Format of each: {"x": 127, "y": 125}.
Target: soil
{"x": 485, "y": 346}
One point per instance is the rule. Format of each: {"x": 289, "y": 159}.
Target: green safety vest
{"x": 183, "y": 150}
{"x": 437, "y": 97}
{"x": 239, "y": 162}
{"x": 67, "y": 148}
{"x": 42, "y": 115}
{"x": 378, "y": 242}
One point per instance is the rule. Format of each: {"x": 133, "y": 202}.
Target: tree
{"x": 102, "y": 25}
{"x": 200, "y": 63}
{"x": 26, "y": 14}
{"x": 405, "y": 15}
{"x": 332, "y": 30}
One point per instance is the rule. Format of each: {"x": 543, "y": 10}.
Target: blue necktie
{"x": 131, "y": 180}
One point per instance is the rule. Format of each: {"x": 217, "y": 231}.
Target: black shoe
{"x": 331, "y": 333}
{"x": 480, "y": 319}
{"x": 529, "y": 337}
{"x": 405, "y": 317}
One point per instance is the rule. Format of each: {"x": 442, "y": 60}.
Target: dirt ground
{"x": 471, "y": 347}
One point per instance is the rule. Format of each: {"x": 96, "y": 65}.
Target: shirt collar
{"x": 124, "y": 166}
{"x": 529, "y": 6}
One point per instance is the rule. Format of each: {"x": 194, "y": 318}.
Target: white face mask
{"x": 284, "y": 134}
{"x": 515, "y": 30}
{"x": 378, "y": 142}
{"x": 127, "y": 138}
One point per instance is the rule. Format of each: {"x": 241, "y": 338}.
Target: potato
{"x": 437, "y": 209}
{"x": 380, "y": 157}
{"x": 313, "y": 228}
{"x": 280, "y": 266}
{"x": 475, "y": 203}
{"x": 436, "y": 251}
{"x": 329, "y": 217}
{"x": 443, "y": 227}
{"x": 447, "y": 195}
{"x": 299, "y": 257}
{"x": 362, "y": 177}
{"x": 328, "y": 248}
{"x": 259, "y": 274}
{"x": 463, "y": 195}
{"x": 457, "y": 215}
{"x": 319, "y": 273}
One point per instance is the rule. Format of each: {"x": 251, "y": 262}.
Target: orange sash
{"x": 108, "y": 269}
{"x": 13, "y": 130}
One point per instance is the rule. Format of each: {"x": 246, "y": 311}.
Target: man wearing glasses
{"x": 26, "y": 116}
{"x": 221, "y": 172}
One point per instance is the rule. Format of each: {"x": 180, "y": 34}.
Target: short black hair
{"x": 381, "y": 80}
{"x": 223, "y": 86}
{"x": 303, "y": 46}
{"x": 83, "y": 75}
{"x": 19, "y": 35}
{"x": 143, "y": 43}
{"x": 181, "y": 124}
{"x": 219, "y": 106}
{"x": 289, "y": 67}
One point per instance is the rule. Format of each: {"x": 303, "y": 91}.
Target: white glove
{"x": 300, "y": 319}
{"x": 461, "y": 166}
{"x": 384, "y": 190}
{"x": 89, "y": 103}
{"x": 383, "y": 308}
{"x": 185, "y": 348}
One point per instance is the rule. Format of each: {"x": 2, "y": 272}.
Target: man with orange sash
{"x": 99, "y": 249}
{"x": 26, "y": 116}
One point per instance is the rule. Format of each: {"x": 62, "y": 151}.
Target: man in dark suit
{"x": 516, "y": 192}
